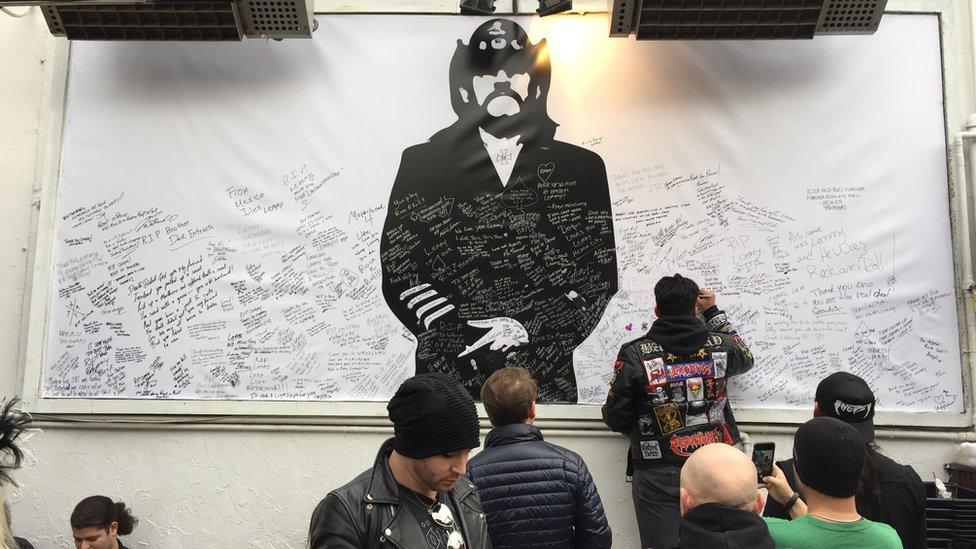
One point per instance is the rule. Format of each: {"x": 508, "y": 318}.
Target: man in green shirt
{"x": 828, "y": 456}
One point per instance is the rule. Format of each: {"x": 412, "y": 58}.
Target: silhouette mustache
{"x": 503, "y": 90}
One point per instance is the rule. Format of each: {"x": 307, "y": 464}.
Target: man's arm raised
{"x": 740, "y": 357}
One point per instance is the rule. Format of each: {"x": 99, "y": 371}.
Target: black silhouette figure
{"x": 498, "y": 245}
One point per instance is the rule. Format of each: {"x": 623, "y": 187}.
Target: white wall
{"x": 207, "y": 488}
{"x": 215, "y": 486}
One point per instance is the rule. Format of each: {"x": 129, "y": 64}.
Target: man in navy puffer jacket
{"x": 535, "y": 494}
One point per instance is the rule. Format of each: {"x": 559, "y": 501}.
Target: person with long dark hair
{"x": 887, "y": 491}
{"x": 12, "y": 424}
{"x": 97, "y": 522}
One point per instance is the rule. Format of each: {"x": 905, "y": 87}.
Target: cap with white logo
{"x": 847, "y": 397}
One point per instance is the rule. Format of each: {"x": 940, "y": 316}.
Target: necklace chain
{"x": 828, "y": 519}
{"x": 428, "y": 507}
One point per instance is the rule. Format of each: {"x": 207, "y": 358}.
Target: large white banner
{"x": 319, "y": 220}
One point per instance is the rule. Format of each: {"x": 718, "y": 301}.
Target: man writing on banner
{"x": 669, "y": 396}
{"x": 498, "y": 245}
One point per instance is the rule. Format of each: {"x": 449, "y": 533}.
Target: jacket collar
{"x": 511, "y": 434}
{"x": 716, "y": 525}
{"x": 382, "y": 487}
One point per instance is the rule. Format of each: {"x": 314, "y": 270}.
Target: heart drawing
{"x": 545, "y": 171}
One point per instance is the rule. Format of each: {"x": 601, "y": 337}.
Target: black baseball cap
{"x": 847, "y": 397}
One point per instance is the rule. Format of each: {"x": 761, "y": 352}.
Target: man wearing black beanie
{"x": 828, "y": 455}
{"x": 414, "y": 495}
{"x": 888, "y": 491}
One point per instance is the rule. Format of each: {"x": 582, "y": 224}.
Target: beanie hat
{"x": 432, "y": 414}
{"x": 829, "y": 455}
{"x": 848, "y": 398}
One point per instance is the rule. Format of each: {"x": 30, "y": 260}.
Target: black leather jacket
{"x": 365, "y": 513}
{"x": 669, "y": 387}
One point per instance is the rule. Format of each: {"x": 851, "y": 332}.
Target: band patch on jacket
{"x": 696, "y": 389}
{"x": 655, "y": 371}
{"x": 650, "y": 449}
{"x": 645, "y": 424}
{"x": 668, "y": 418}
{"x": 714, "y": 388}
{"x": 716, "y": 411}
{"x": 672, "y": 358}
{"x": 685, "y": 370}
{"x": 685, "y": 445}
{"x": 650, "y": 347}
{"x": 677, "y": 390}
{"x": 658, "y": 393}
{"x": 720, "y": 363}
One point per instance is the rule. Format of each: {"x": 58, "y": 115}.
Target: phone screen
{"x": 763, "y": 454}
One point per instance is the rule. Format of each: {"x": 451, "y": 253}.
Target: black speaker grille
{"x": 276, "y": 16}
{"x": 166, "y": 21}
{"x": 727, "y": 19}
{"x": 852, "y": 16}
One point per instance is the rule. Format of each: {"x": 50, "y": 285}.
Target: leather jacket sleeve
{"x": 332, "y": 526}
{"x": 740, "y": 357}
{"x": 623, "y": 401}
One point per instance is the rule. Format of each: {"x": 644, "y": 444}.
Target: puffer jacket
{"x": 364, "y": 514}
{"x": 537, "y": 494}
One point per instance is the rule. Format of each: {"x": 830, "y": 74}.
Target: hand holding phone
{"x": 763, "y": 454}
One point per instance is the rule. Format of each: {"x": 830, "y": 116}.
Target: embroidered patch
{"x": 695, "y": 408}
{"x": 645, "y": 425}
{"x": 685, "y": 370}
{"x": 685, "y": 445}
{"x": 714, "y": 388}
{"x": 650, "y": 347}
{"x": 720, "y": 362}
{"x": 668, "y": 418}
{"x": 677, "y": 391}
{"x": 714, "y": 340}
{"x": 650, "y": 449}
{"x": 855, "y": 410}
{"x": 617, "y": 365}
{"x": 655, "y": 371}
{"x": 696, "y": 389}
{"x": 658, "y": 393}
{"x": 716, "y": 411}
{"x": 717, "y": 321}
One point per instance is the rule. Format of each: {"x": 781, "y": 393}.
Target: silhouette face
{"x": 501, "y": 94}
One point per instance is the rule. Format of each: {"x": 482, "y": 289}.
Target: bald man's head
{"x": 719, "y": 473}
